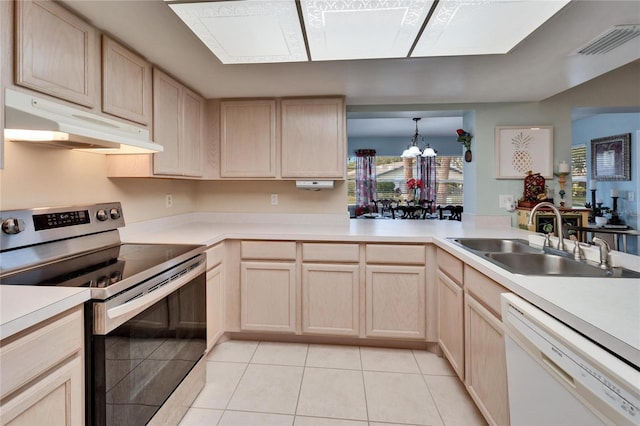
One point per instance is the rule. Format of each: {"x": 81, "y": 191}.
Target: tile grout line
{"x": 304, "y": 368}
{"x": 364, "y": 387}
{"x": 424, "y": 379}
{"x": 246, "y": 367}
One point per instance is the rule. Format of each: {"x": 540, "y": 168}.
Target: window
{"x": 579, "y": 175}
{"x": 391, "y": 179}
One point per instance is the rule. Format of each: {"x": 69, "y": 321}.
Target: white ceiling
{"x": 539, "y": 67}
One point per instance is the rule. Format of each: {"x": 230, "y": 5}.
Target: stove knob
{"x": 12, "y": 226}
{"x": 115, "y": 277}
{"x": 103, "y": 282}
{"x": 102, "y": 215}
{"x": 114, "y": 213}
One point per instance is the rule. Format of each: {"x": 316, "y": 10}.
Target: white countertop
{"x": 22, "y": 306}
{"x": 606, "y": 310}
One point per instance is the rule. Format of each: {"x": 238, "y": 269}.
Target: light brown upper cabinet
{"x": 313, "y": 138}
{"x": 248, "y": 139}
{"x": 56, "y": 52}
{"x": 126, "y": 83}
{"x": 177, "y": 126}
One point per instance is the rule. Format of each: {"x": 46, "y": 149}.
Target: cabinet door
{"x": 395, "y": 301}
{"x": 54, "y": 399}
{"x": 126, "y": 83}
{"x": 55, "y": 52}
{"x": 248, "y": 139}
{"x": 486, "y": 367}
{"x": 166, "y": 123}
{"x": 450, "y": 322}
{"x": 215, "y": 306}
{"x": 268, "y": 296}
{"x": 191, "y": 137}
{"x": 313, "y": 138}
{"x": 330, "y": 302}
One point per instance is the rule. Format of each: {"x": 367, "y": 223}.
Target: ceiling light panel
{"x": 482, "y": 27}
{"x": 362, "y": 29}
{"x": 248, "y": 31}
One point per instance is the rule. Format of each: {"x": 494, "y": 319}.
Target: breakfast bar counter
{"x": 606, "y": 310}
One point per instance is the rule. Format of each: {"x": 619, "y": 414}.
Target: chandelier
{"x": 413, "y": 150}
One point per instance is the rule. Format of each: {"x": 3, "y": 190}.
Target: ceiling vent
{"x": 610, "y": 39}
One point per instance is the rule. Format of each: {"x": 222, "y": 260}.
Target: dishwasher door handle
{"x": 559, "y": 371}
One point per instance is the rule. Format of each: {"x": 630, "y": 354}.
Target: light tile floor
{"x": 265, "y": 383}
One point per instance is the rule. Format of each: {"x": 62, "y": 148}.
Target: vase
{"x": 601, "y": 220}
{"x": 467, "y": 156}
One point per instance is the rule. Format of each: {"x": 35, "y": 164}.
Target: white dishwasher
{"x": 556, "y": 376}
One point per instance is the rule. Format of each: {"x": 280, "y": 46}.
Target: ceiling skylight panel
{"x": 362, "y": 29}
{"x": 481, "y": 27}
{"x": 248, "y": 31}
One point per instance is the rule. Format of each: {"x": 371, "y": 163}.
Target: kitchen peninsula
{"x": 605, "y": 310}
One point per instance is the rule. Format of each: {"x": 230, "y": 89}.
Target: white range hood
{"x": 36, "y": 120}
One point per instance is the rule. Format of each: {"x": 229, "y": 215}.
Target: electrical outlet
{"x": 274, "y": 199}
{"x": 631, "y": 196}
{"x": 505, "y": 200}
{"x": 168, "y": 201}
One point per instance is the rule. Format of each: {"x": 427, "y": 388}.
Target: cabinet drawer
{"x": 285, "y": 250}
{"x": 321, "y": 252}
{"x": 215, "y": 255}
{"x": 29, "y": 354}
{"x": 396, "y": 254}
{"x": 484, "y": 289}
{"x": 450, "y": 265}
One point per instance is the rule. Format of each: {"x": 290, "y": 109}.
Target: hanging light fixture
{"x": 413, "y": 150}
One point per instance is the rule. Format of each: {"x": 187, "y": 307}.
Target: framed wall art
{"x": 520, "y": 149}
{"x": 610, "y": 158}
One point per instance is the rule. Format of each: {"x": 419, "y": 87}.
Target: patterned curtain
{"x": 366, "y": 181}
{"x": 427, "y": 178}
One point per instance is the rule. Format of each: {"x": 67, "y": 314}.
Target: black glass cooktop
{"x": 102, "y": 268}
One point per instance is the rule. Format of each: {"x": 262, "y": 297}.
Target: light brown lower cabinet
{"x": 43, "y": 373}
{"x": 451, "y": 321}
{"x": 486, "y": 372}
{"x": 215, "y": 305}
{"x": 395, "y": 301}
{"x": 268, "y": 296}
{"x": 330, "y": 302}
{"x": 215, "y": 294}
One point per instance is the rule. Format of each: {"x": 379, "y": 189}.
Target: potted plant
{"x": 465, "y": 139}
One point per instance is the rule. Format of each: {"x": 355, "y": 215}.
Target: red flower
{"x": 414, "y": 184}
{"x": 460, "y": 132}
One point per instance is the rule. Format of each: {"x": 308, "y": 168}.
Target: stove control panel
{"x": 21, "y": 228}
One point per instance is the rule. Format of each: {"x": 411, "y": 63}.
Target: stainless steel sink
{"x": 518, "y": 257}
{"x": 497, "y": 245}
{"x": 550, "y": 264}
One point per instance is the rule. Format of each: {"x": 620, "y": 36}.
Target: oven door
{"x": 144, "y": 343}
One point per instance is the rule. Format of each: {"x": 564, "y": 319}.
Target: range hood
{"x": 36, "y": 120}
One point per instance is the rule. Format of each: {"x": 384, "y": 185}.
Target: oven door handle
{"x": 117, "y": 315}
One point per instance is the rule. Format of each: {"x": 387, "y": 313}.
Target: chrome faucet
{"x": 558, "y": 221}
{"x": 577, "y": 251}
{"x": 605, "y": 250}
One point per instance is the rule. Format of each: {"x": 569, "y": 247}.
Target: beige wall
{"x": 41, "y": 177}
{"x": 255, "y": 197}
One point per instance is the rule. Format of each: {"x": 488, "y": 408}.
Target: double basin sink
{"x": 518, "y": 257}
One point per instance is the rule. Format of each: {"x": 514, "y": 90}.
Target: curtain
{"x": 426, "y": 171}
{"x": 366, "y": 181}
